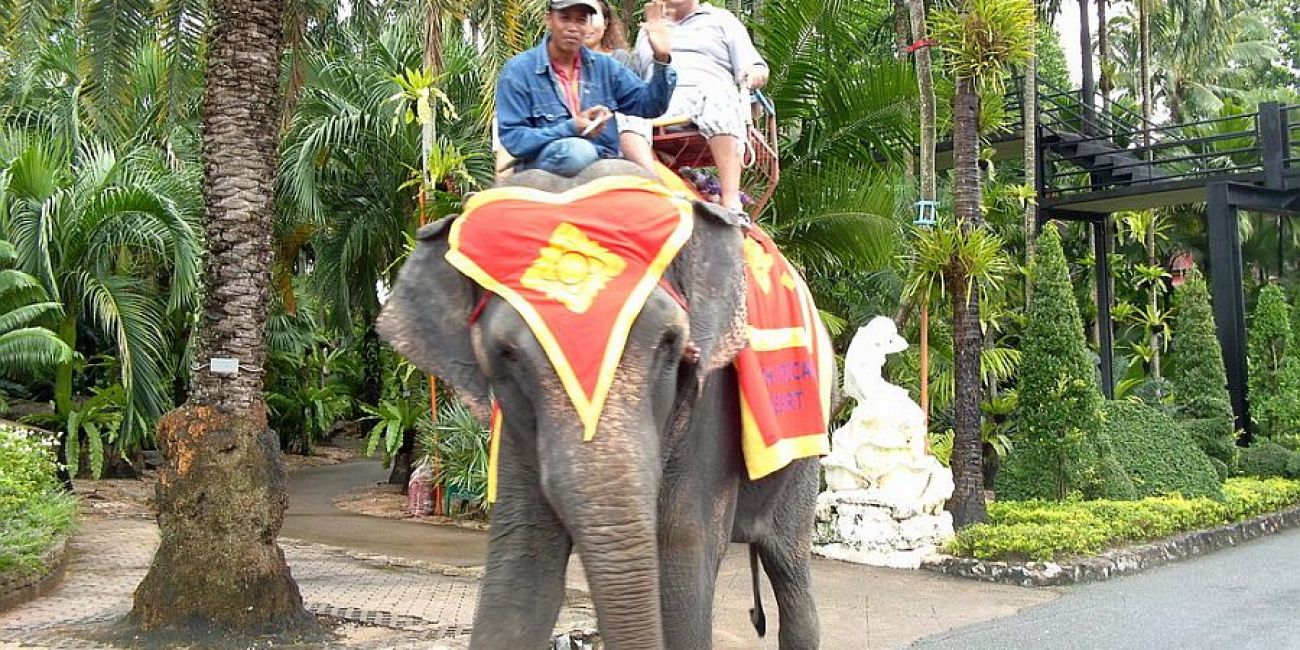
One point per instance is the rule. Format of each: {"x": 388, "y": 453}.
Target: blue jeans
{"x": 566, "y": 157}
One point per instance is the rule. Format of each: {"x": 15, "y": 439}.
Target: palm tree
{"x": 983, "y": 38}
{"x": 222, "y": 491}
{"x": 834, "y": 213}
{"x": 26, "y": 344}
{"x": 96, "y": 228}
{"x": 1201, "y": 52}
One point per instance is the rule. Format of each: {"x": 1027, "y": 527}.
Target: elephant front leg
{"x": 691, "y": 547}
{"x": 528, "y": 553}
{"x": 696, "y": 508}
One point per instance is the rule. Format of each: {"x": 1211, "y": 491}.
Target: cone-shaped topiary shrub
{"x": 1158, "y": 456}
{"x": 1201, "y": 396}
{"x": 1267, "y": 345}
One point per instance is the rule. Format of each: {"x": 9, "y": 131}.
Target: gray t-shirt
{"x": 710, "y": 47}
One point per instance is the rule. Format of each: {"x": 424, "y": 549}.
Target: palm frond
{"x": 121, "y": 309}
{"x": 32, "y": 347}
{"x": 28, "y": 314}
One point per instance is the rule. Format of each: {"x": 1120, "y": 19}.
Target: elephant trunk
{"x": 605, "y": 491}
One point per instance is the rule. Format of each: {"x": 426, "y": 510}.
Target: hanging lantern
{"x": 926, "y": 213}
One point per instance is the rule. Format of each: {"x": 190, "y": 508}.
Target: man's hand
{"x": 658, "y": 29}
{"x": 754, "y": 77}
{"x": 593, "y": 121}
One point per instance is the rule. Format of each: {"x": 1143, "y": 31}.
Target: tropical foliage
{"x": 386, "y": 126}
{"x": 34, "y": 510}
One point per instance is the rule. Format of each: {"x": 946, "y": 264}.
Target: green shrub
{"x": 1268, "y": 344}
{"x": 1050, "y": 530}
{"x": 1293, "y": 466}
{"x": 1157, "y": 455}
{"x": 461, "y": 442}
{"x": 1208, "y": 435}
{"x": 1198, "y": 376}
{"x": 1265, "y": 458}
{"x": 1057, "y": 450}
{"x": 34, "y": 511}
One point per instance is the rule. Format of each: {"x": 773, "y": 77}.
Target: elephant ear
{"x": 426, "y": 318}
{"x": 710, "y": 270}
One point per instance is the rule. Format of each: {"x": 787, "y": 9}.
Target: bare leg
{"x": 637, "y": 149}
{"x": 727, "y": 157}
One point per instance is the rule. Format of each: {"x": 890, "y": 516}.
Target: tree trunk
{"x": 433, "y": 39}
{"x": 967, "y": 504}
{"x": 1144, "y": 70}
{"x": 925, "y": 80}
{"x": 1029, "y": 128}
{"x": 1087, "y": 88}
{"x": 902, "y": 29}
{"x": 1104, "y": 83}
{"x": 372, "y": 384}
{"x": 403, "y": 461}
{"x": 222, "y": 490}
{"x": 63, "y": 396}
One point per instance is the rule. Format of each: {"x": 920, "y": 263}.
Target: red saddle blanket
{"x": 579, "y": 266}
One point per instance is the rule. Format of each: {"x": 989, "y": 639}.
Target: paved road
{"x": 312, "y": 517}
{"x": 860, "y": 606}
{"x": 1242, "y": 598}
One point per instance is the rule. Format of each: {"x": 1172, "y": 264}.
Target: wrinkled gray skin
{"x": 650, "y": 503}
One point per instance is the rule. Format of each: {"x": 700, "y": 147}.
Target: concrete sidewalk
{"x": 401, "y": 584}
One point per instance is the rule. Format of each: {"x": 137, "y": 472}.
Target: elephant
{"x": 651, "y": 502}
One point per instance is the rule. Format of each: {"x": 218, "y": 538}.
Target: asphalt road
{"x": 312, "y": 517}
{"x": 1242, "y": 598}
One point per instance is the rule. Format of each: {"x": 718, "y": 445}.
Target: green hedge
{"x": 1059, "y": 446}
{"x": 1196, "y": 370}
{"x": 1266, "y": 458}
{"x": 1048, "y": 530}
{"x": 33, "y": 510}
{"x": 1216, "y": 439}
{"x": 1158, "y": 456}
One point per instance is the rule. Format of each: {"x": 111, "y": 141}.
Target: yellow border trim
{"x": 778, "y": 339}
{"x": 588, "y": 408}
{"x": 494, "y": 450}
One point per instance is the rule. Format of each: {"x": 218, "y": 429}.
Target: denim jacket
{"x": 532, "y": 113}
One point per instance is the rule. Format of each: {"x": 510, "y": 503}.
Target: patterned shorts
{"x": 715, "y": 111}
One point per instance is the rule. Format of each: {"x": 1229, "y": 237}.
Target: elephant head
{"x": 602, "y": 492}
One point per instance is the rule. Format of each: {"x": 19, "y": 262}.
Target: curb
{"x": 1119, "y": 562}
{"x": 20, "y": 586}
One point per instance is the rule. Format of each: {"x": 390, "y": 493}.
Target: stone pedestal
{"x": 859, "y": 526}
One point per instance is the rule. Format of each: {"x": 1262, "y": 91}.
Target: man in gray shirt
{"x": 713, "y": 56}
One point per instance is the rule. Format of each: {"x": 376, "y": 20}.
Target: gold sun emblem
{"x": 760, "y": 264}
{"x": 572, "y": 269}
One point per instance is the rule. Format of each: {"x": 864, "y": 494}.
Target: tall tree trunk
{"x": 222, "y": 491}
{"x": 925, "y": 80}
{"x": 967, "y": 504}
{"x": 1144, "y": 70}
{"x": 902, "y": 29}
{"x": 433, "y": 38}
{"x": 1029, "y": 129}
{"x": 1104, "y": 83}
{"x": 1088, "y": 88}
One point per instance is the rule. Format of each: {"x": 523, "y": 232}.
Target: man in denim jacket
{"x": 555, "y": 101}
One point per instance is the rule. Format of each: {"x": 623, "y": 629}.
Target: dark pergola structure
{"x": 1092, "y": 164}
{"x": 1243, "y": 162}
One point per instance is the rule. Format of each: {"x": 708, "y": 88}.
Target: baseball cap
{"x": 557, "y": 5}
